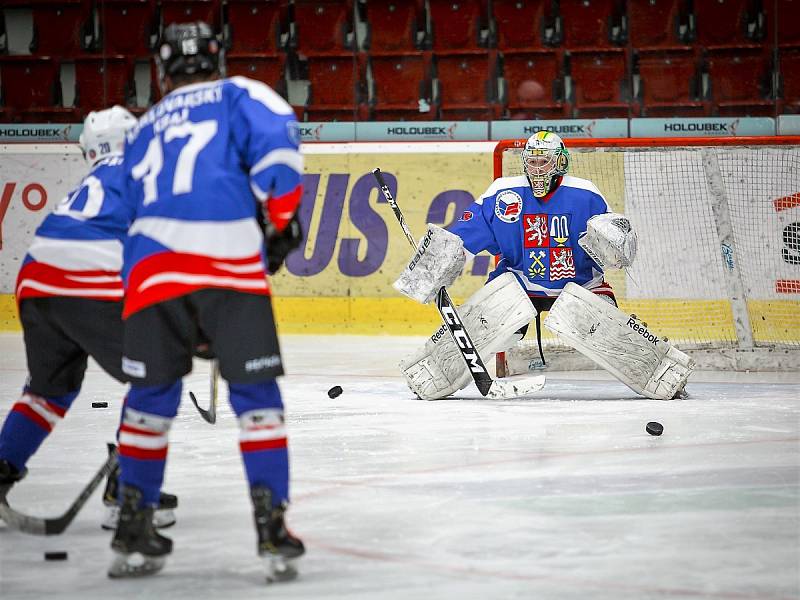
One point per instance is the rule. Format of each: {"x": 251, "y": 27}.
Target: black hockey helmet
{"x": 188, "y": 49}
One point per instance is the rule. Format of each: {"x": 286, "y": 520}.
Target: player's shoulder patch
{"x": 503, "y": 183}
{"x": 508, "y": 206}
{"x": 260, "y": 92}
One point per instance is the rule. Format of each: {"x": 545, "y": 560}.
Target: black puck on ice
{"x": 55, "y": 556}
{"x": 99, "y": 404}
{"x": 335, "y": 391}
{"x": 654, "y": 428}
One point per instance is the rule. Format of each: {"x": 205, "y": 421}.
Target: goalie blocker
{"x": 619, "y": 343}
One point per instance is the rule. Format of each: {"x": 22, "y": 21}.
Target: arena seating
{"x": 521, "y": 24}
{"x": 400, "y": 82}
{"x": 394, "y": 25}
{"x": 657, "y": 24}
{"x": 102, "y": 81}
{"x": 422, "y": 59}
{"x": 256, "y": 26}
{"x": 670, "y": 84}
{"x": 534, "y": 85}
{"x": 467, "y": 84}
{"x": 599, "y": 83}
{"x": 457, "y": 25}
{"x": 127, "y": 26}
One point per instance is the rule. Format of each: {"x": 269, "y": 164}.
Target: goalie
{"x": 556, "y": 235}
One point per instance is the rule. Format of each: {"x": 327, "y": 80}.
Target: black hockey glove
{"x": 279, "y": 244}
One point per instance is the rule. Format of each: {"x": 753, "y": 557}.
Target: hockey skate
{"x": 276, "y": 545}
{"x": 163, "y": 516}
{"x": 139, "y": 549}
{"x": 9, "y": 475}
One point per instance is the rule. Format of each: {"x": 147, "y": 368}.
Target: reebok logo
{"x": 641, "y": 330}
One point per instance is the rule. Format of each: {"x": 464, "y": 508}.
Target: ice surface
{"x": 562, "y": 495}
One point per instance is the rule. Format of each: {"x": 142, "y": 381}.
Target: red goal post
{"x": 718, "y": 268}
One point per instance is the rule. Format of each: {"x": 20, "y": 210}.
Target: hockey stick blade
{"x": 210, "y": 415}
{"x": 55, "y": 526}
{"x": 505, "y": 390}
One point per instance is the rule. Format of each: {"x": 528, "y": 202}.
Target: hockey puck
{"x": 99, "y": 404}
{"x": 55, "y": 556}
{"x": 335, "y": 391}
{"x": 654, "y": 428}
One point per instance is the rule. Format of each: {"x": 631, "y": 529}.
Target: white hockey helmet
{"x": 104, "y": 133}
{"x": 544, "y": 158}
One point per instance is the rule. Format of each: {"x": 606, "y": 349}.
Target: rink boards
{"x": 341, "y": 281}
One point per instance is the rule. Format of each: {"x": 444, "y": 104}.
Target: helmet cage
{"x": 542, "y": 166}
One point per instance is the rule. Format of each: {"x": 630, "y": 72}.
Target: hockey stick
{"x": 209, "y": 415}
{"x": 57, "y": 525}
{"x": 488, "y": 387}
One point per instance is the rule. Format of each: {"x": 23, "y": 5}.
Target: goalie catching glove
{"x": 492, "y": 316}
{"x": 437, "y": 263}
{"x": 610, "y": 241}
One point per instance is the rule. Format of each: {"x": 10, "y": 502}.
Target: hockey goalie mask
{"x": 544, "y": 158}
{"x": 103, "y": 133}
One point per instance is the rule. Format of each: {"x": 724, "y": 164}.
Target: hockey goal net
{"x": 718, "y": 267}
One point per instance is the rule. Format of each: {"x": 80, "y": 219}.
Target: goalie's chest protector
{"x": 536, "y": 239}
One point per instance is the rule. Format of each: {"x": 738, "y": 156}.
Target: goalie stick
{"x": 210, "y": 415}
{"x": 488, "y": 387}
{"x": 56, "y": 525}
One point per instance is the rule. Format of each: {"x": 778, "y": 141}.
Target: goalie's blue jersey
{"x": 198, "y": 166}
{"x": 77, "y": 250}
{"x": 537, "y": 239}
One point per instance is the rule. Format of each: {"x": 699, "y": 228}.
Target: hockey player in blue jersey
{"x": 555, "y": 235}
{"x": 69, "y": 292}
{"x": 202, "y": 168}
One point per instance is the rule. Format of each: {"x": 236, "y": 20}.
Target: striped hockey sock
{"x": 144, "y": 438}
{"x": 30, "y": 421}
{"x": 262, "y": 436}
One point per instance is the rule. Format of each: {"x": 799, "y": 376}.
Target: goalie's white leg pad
{"x": 491, "y": 316}
{"x": 619, "y": 343}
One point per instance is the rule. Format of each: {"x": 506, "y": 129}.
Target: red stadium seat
{"x": 725, "y": 22}
{"x": 657, "y": 23}
{"x": 539, "y": 71}
{"x": 467, "y": 84}
{"x": 519, "y": 24}
{"x": 457, "y": 24}
{"x": 185, "y": 11}
{"x": 590, "y": 23}
{"x": 335, "y": 87}
{"x": 740, "y": 82}
{"x": 102, "y": 81}
{"x": 29, "y": 82}
{"x": 392, "y": 25}
{"x": 127, "y": 26}
{"x": 670, "y": 85}
{"x": 400, "y": 81}
{"x": 599, "y": 84}
{"x": 787, "y": 21}
{"x": 62, "y": 28}
{"x": 790, "y": 78}
{"x": 323, "y": 25}
{"x": 268, "y": 69}
{"x": 256, "y": 25}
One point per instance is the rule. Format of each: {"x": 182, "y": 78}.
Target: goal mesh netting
{"x": 718, "y": 267}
